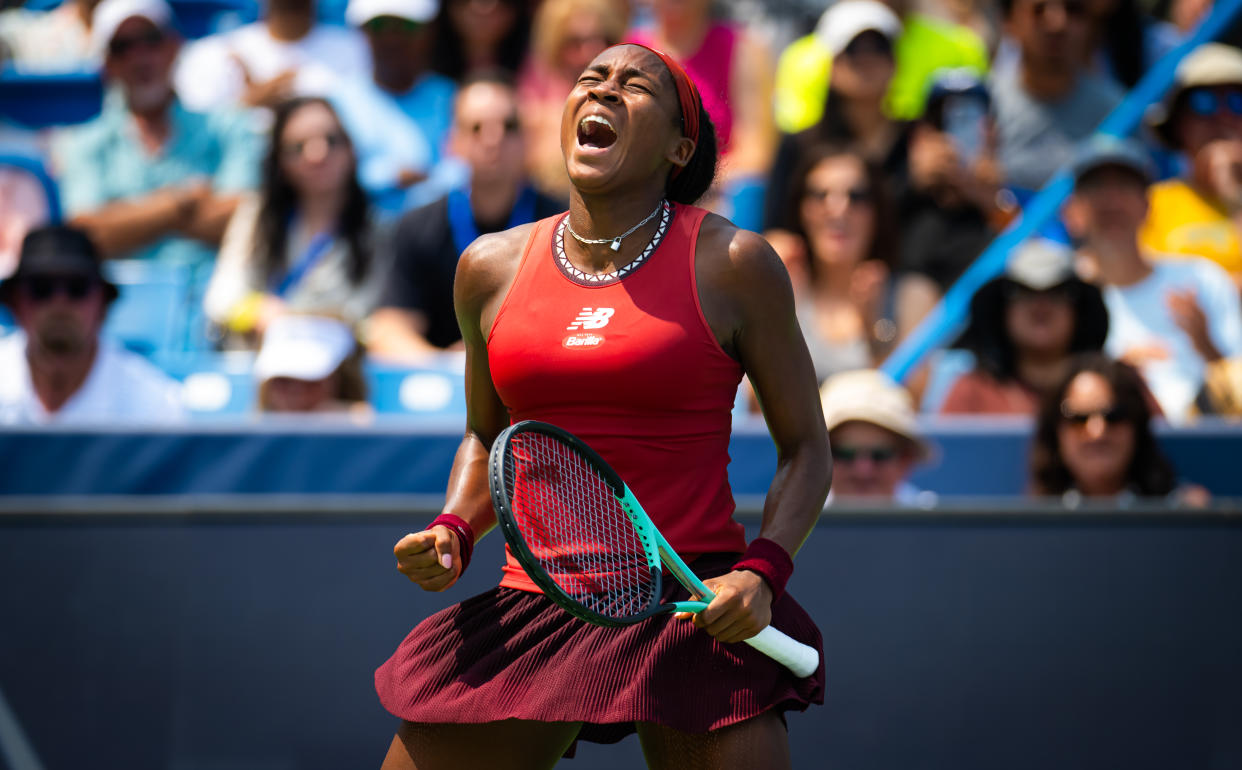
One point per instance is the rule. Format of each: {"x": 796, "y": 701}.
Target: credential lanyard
{"x": 461, "y": 217}
{"x": 314, "y": 251}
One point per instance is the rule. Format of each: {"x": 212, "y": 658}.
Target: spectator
{"x": 416, "y": 317}
{"x": 733, "y": 71}
{"x": 1168, "y": 318}
{"x": 1201, "y": 212}
{"x": 262, "y": 64}
{"x": 1024, "y": 328}
{"x": 311, "y": 364}
{"x": 398, "y": 115}
{"x": 842, "y": 281}
{"x": 1126, "y": 41}
{"x": 55, "y": 40}
{"x": 860, "y": 35}
{"x": 925, "y": 45}
{"x": 56, "y": 368}
{"x": 23, "y": 204}
{"x": 1093, "y": 439}
{"x": 1123, "y": 42}
{"x": 148, "y": 178}
{"x": 304, "y": 244}
{"x": 478, "y": 36}
{"x": 954, "y": 203}
{"x": 1049, "y": 102}
{"x": 875, "y": 439}
{"x": 567, "y": 36}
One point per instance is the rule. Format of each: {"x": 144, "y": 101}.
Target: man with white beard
{"x": 56, "y": 368}
{"x": 148, "y": 178}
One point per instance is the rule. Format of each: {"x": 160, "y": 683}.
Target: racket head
{"x": 559, "y": 506}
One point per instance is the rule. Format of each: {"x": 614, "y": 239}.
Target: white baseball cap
{"x": 359, "y": 12}
{"x": 303, "y": 347}
{"x": 848, "y": 19}
{"x": 111, "y": 14}
{"x": 1040, "y": 264}
{"x": 871, "y": 396}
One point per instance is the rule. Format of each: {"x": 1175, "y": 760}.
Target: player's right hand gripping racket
{"x": 582, "y": 537}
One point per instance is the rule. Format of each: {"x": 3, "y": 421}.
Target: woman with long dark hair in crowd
{"x": 842, "y": 264}
{"x": 1093, "y": 439}
{"x": 304, "y": 243}
{"x": 862, "y": 68}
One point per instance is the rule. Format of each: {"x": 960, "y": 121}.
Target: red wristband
{"x": 769, "y": 561}
{"x": 465, "y": 536}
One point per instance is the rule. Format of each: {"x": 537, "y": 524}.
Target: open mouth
{"x": 595, "y": 131}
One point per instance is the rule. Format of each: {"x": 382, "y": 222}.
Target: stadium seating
{"x": 42, "y": 100}
{"x": 215, "y": 384}
{"x": 149, "y": 315}
{"x": 435, "y": 390}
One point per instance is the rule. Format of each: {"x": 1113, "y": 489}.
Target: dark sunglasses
{"x": 381, "y": 24}
{"x": 856, "y": 196}
{"x": 869, "y": 42}
{"x": 42, "y": 288}
{"x": 119, "y": 46}
{"x": 511, "y": 126}
{"x": 1112, "y": 415}
{"x": 877, "y": 455}
{"x": 298, "y": 149}
{"x": 1205, "y": 103}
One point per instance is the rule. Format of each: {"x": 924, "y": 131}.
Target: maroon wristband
{"x": 465, "y": 536}
{"x": 769, "y": 561}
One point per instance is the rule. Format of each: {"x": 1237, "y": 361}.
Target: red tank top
{"x": 630, "y": 366}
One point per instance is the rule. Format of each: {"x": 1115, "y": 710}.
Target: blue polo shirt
{"x": 104, "y": 161}
{"x": 392, "y": 132}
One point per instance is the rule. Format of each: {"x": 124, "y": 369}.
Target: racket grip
{"x": 799, "y": 658}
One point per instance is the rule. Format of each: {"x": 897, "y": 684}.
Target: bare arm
{"x": 767, "y": 340}
{"x": 125, "y": 225}
{"x": 396, "y": 333}
{"x": 484, "y": 274}
{"x": 748, "y": 301}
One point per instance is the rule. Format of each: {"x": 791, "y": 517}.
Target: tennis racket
{"x": 583, "y": 538}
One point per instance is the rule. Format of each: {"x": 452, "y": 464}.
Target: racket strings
{"x": 576, "y": 528}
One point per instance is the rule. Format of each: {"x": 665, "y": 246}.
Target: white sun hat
{"x": 848, "y": 19}
{"x": 109, "y": 15}
{"x": 303, "y": 347}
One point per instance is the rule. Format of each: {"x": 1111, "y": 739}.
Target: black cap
{"x": 57, "y": 250}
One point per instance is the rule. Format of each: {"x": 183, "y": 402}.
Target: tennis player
{"x": 629, "y": 322}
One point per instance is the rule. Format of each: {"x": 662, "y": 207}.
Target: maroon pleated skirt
{"x": 508, "y": 654}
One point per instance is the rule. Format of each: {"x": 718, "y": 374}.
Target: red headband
{"x": 687, "y": 97}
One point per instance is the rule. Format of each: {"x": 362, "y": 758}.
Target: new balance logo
{"x": 591, "y": 319}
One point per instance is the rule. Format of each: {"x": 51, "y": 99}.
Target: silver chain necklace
{"x": 615, "y": 242}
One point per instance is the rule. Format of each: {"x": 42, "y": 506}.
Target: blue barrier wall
{"x": 201, "y": 642}
{"x": 985, "y": 458}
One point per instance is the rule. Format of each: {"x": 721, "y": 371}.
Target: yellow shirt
{"x": 925, "y": 46}
{"x": 1181, "y": 222}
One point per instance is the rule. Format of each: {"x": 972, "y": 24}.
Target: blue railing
{"x": 946, "y": 317}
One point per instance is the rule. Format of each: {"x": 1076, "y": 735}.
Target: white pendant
{"x": 616, "y": 244}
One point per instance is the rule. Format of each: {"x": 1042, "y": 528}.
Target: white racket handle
{"x": 799, "y": 658}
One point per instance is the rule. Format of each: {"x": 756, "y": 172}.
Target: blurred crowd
{"x": 307, "y": 175}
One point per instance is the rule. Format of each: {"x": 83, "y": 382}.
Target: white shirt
{"x": 1138, "y": 316}
{"x": 208, "y": 76}
{"x": 121, "y": 387}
